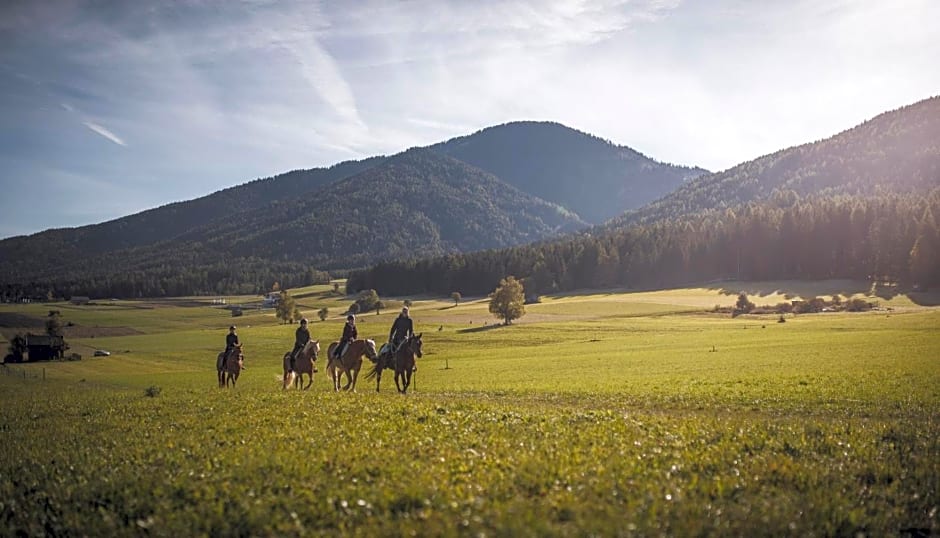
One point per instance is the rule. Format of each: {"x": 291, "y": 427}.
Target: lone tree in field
{"x": 456, "y": 297}
{"x": 286, "y": 308}
{"x": 323, "y": 313}
{"x": 744, "y": 305}
{"x": 53, "y": 324}
{"x": 507, "y": 301}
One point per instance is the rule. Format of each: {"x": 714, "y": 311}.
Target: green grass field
{"x": 607, "y": 413}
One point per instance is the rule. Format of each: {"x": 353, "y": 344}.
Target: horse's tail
{"x": 372, "y": 371}
{"x": 289, "y": 379}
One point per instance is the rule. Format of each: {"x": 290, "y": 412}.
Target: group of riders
{"x": 401, "y": 330}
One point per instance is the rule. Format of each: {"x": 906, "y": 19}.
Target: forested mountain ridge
{"x": 166, "y": 222}
{"x": 897, "y": 151}
{"x": 414, "y": 204}
{"x": 594, "y": 178}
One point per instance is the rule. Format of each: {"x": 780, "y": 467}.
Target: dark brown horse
{"x": 402, "y": 361}
{"x": 350, "y": 363}
{"x": 405, "y": 361}
{"x": 304, "y": 363}
{"x": 230, "y": 366}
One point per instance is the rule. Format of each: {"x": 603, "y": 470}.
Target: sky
{"x": 108, "y": 108}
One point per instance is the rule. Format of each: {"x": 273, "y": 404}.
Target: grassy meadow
{"x": 602, "y": 413}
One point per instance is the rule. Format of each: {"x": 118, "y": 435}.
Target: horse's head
{"x": 416, "y": 344}
{"x": 314, "y": 347}
{"x": 370, "y": 350}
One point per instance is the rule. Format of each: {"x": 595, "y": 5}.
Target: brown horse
{"x": 350, "y": 363}
{"x": 405, "y": 361}
{"x": 305, "y": 363}
{"x": 230, "y": 366}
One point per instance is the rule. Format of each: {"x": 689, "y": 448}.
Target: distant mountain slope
{"x": 590, "y": 176}
{"x": 166, "y": 222}
{"x": 898, "y": 151}
{"x": 417, "y": 203}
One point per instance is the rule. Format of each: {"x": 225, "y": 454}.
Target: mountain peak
{"x": 589, "y": 175}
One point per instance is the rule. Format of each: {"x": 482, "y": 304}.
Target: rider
{"x": 349, "y": 334}
{"x": 231, "y": 340}
{"x": 402, "y": 328}
{"x": 301, "y": 337}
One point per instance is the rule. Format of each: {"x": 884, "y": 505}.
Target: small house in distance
{"x": 79, "y": 299}
{"x": 271, "y": 300}
{"x": 43, "y": 347}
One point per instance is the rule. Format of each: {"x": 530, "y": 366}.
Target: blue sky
{"x": 110, "y": 108}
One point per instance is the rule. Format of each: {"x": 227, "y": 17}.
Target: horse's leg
{"x": 355, "y": 377}
{"x": 397, "y": 375}
{"x": 310, "y": 380}
{"x": 378, "y": 377}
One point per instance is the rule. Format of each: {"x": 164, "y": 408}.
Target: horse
{"x": 230, "y": 366}
{"x": 305, "y": 363}
{"x": 350, "y": 363}
{"x": 405, "y": 361}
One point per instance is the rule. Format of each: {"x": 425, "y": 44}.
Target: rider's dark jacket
{"x": 231, "y": 340}
{"x": 349, "y": 333}
{"x": 301, "y": 337}
{"x": 401, "y": 329}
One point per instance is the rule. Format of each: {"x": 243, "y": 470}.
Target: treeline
{"x": 892, "y": 237}
{"x": 172, "y": 278}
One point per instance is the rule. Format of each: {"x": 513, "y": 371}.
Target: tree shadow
{"x": 481, "y": 328}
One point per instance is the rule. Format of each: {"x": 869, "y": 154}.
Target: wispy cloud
{"x": 104, "y": 132}
{"x": 202, "y": 95}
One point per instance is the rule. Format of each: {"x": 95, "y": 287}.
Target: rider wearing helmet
{"x": 349, "y": 334}
{"x": 231, "y": 340}
{"x": 402, "y": 328}
{"x": 301, "y": 337}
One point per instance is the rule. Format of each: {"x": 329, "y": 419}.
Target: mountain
{"x": 590, "y": 176}
{"x": 897, "y": 151}
{"x": 415, "y": 204}
{"x": 502, "y": 186}
{"x": 51, "y": 247}
{"x": 860, "y": 205}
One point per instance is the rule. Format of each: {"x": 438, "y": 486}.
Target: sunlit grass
{"x": 608, "y": 414}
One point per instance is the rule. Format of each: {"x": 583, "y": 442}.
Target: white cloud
{"x": 104, "y": 132}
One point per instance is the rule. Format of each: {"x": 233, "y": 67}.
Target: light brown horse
{"x": 304, "y": 363}
{"x": 350, "y": 363}
{"x": 405, "y": 361}
{"x": 229, "y": 367}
